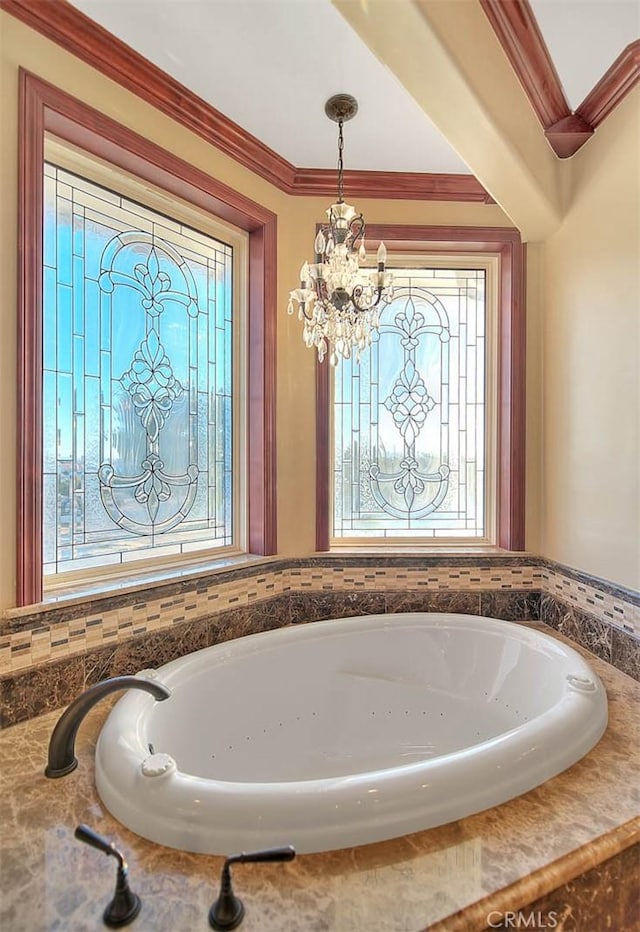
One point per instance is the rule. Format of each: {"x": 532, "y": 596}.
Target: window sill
{"x": 83, "y": 593}
{"x": 79, "y": 592}
{"x": 421, "y": 550}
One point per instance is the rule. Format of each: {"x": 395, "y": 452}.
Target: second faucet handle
{"x": 89, "y": 837}
{"x": 228, "y": 911}
{"x": 125, "y": 905}
{"x": 287, "y": 853}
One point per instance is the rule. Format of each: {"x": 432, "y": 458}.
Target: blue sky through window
{"x": 409, "y": 420}
{"x": 137, "y": 382}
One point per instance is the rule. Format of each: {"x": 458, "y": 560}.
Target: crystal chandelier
{"x": 338, "y": 301}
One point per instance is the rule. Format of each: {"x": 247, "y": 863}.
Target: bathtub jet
{"x": 346, "y": 732}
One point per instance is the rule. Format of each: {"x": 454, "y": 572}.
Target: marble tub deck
{"x": 449, "y": 878}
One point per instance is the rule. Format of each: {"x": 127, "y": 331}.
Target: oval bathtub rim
{"x": 191, "y": 813}
{"x": 140, "y": 705}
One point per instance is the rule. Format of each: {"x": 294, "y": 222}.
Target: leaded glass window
{"x": 410, "y": 420}
{"x": 138, "y": 344}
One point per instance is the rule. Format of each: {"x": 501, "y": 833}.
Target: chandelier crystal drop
{"x": 338, "y": 301}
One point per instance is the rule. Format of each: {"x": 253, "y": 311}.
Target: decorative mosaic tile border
{"x": 614, "y": 605}
{"x": 44, "y": 637}
{"x": 47, "y": 686}
{"x": 46, "y": 659}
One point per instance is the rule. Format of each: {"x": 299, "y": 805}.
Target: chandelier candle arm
{"x": 381, "y": 258}
{"x": 337, "y": 300}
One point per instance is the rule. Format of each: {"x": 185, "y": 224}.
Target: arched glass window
{"x": 140, "y": 444}
{"x": 410, "y": 422}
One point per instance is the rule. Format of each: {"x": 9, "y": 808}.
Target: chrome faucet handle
{"x": 228, "y": 911}
{"x": 125, "y": 905}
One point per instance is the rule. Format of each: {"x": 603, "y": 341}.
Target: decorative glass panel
{"x": 409, "y": 419}
{"x": 138, "y": 363}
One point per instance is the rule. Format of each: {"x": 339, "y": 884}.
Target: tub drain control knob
{"x": 157, "y": 765}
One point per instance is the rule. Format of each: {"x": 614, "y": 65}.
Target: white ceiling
{"x": 270, "y": 65}
{"x": 584, "y": 38}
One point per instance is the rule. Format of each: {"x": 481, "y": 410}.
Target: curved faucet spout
{"x": 62, "y": 758}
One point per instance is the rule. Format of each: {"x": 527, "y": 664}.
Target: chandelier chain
{"x": 340, "y": 163}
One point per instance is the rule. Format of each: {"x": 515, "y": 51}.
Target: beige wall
{"x": 296, "y": 219}
{"x": 591, "y": 358}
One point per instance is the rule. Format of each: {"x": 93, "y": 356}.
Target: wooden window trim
{"x": 47, "y": 109}
{"x": 511, "y": 411}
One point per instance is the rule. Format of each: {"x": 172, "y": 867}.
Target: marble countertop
{"x": 448, "y": 878}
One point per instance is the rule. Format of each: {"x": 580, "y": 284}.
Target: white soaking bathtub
{"x": 346, "y": 732}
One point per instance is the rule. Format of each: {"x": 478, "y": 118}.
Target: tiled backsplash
{"x": 612, "y": 604}
{"x": 48, "y": 656}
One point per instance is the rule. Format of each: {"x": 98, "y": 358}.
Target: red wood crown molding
{"x": 567, "y": 135}
{"x": 511, "y": 401}
{"x": 62, "y": 23}
{"x": 396, "y": 185}
{"x": 621, "y": 77}
{"x": 517, "y": 30}
{"x": 45, "y": 108}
